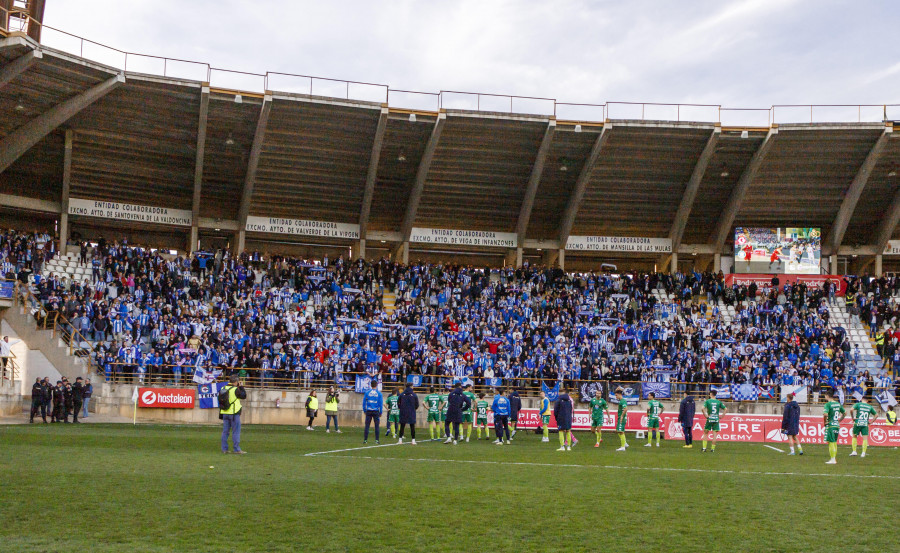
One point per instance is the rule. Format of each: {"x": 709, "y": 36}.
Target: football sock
{"x": 704, "y": 444}
{"x": 832, "y": 449}
{"x": 598, "y": 436}
{"x": 800, "y": 448}
{"x": 865, "y": 444}
{"x": 562, "y": 438}
{"x": 547, "y": 432}
{"x": 658, "y": 437}
{"x": 469, "y": 432}
{"x": 649, "y": 436}
{"x": 569, "y": 438}
{"x": 713, "y": 447}
{"x": 431, "y": 430}
{"x": 853, "y": 443}
{"x": 622, "y": 439}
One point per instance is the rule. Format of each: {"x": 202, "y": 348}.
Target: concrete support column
{"x": 561, "y": 258}
{"x": 878, "y": 266}
{"x": 66, "y": 186}
{"x": 673, "y": 263}
{"x": 404, "y": 253}
{"x": 518, "y": 258}
{"x": 832, "y": 264}
{"x": 717, "y": 262}
{"x": 360, "y": 249}
{"x": 194, "y": 239}
{"x": 239, "y": 239}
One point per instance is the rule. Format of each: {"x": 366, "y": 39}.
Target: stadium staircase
{"x": 389, "y": 303}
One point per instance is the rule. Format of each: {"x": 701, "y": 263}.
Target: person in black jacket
{"x": 456, "y": 404}
{"x": 37, "y": 400}
{"x": 47, "y": 394}
{"x": 790, "y": 424}
{"x": 58, "y": 394}
{"x": 77, "y": 398}
{"x": 563, "y": 412}
{"x": 409, "y": 403}
{"x": 686, "y": 417}
{"x": 515, "y": 405}
{"x": 68, "y": 400}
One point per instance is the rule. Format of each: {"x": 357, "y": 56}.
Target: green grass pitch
{"x": 113, "y": 488}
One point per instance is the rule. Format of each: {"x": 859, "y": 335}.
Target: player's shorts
{"x": 394, "y": 418}
{"x": 831, "y": 434}
{"x": 481, "y": 421}
{"x": 860, "y": 430}
{"x": 545, "y": 419}
{"x": 467, "y": 417}
{"x": 652, "y": 423}
{"x": 434, "y": 417}
{"x": 443, "y": 417}
{"x": 711, "y": 426}
{"x": 514, "y": 417}
{"x": 597, "y": 422}
{"x": 620, "y": 424}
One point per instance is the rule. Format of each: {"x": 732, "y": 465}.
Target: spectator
{"x": 331, "y": 409}
{"x": 230, "y": 413}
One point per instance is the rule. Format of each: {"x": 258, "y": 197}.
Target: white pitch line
{"x": 616, "y": 467}
{"x": 358, "y": 448}
{"x": 775, "y": 448}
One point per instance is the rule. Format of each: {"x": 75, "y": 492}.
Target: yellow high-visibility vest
{"x": 234, "y": 406}
{"x": 331, "y": 404}
{"x": 314, "y": 403}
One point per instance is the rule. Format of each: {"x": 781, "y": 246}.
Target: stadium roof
{"x": 227, "y": 154}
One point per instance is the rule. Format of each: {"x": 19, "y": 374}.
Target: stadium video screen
{"x": 791, "y": 251}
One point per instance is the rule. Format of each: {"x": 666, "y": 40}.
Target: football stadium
{"x": 257, "y": 310}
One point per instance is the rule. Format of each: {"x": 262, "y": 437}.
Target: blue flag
{"x": 208, "y": 395}
{"x": 744, "y": 392}
{"x": 414, "y": 379}
{"x": 551, "y": 393}
{"x": 495, "y": 382}
{"x": 663, "y": 390}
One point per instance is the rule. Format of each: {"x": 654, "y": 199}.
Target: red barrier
{"x": 733, "y": 427}
{"x": 813, "y": 281}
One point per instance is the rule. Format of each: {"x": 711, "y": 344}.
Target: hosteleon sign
{"x": 619, "y": 244}
{"x": 166, "y": 398}
{"x": 130, "y": 212}
{"x": 463, "y": 237}
{"x": 302, "y": 227}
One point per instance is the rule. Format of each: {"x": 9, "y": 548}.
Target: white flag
{"x": 134, "y": 396}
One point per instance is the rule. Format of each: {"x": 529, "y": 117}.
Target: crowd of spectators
{"x": 150, "y": 316}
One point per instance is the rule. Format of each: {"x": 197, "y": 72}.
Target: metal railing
{"x": 9, "y": 368}
{"x": 181, "y": 375}
{"x": 447, "y": 99}
{"x": 59, "y": 326}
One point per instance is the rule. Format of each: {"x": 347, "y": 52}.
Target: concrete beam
{"x": 250, "y": 177}
{"x": 690, "y": 191}
{"x": 18, "y": 66}
{"x": 371, "y": 178}
{"x": 537, "y": 169}
{"x": 198, "y": 167}
{"x": 726, "y": 219}
{"x": 888, "y": 223}
{"x": 574, "y": 202}
{"x": 30, "y": 204}
{"x": 415, "y": 195}
{"x": 16, "y": 143}
{"x": 66, "y": 186}
{"x": 848, "y": 205}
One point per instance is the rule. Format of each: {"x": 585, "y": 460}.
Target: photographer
{"x": 230, "y": 413}
{"x": 331, "y": 409}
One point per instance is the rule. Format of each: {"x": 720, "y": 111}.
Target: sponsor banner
{"x": 732, "y": 428}
{"x": 812, "y": 431}
{"x": 130, "y": 212}
{"x": 892, "y": 247}
{"x": 208, "y": 395}
{"x": 302, "y": 227}
{"x": 166, "y": 398}
{"x": 813, "y": 281}
{"x": 619, "y": 244}
{"x": 463, "y": 237}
